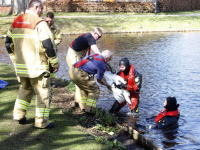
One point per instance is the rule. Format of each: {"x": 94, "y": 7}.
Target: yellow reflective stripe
{"x": 28, "y": 36}
{"x": 83, "y": 99}
{"x": 91, "y": 102}
{"x": 9, "y": 33}
{"x": 24, "y": 66}
{"x": 58, "y": 39}
{"x": 22, "y": 104}
{"x": 54, "y": 60}
{"x": 29, "y": 69}
{"x": 22, "y": 72}
{"x": 52, "y": 75}
{"x": 42, "y": 112}
{"x": 137, "y": 108}
{"x": 23, "y": 35}
{"x": 25, "y": 71}
{"x": 57, "y": 36}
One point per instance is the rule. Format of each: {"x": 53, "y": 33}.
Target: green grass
{"x": 5, "y": 25}
{"x": 108, "y": 24}
{"x": 119, "y": 24}
{"x": 65, "y": 136}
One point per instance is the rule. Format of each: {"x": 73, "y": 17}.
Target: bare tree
{"x": 18, "y": 6}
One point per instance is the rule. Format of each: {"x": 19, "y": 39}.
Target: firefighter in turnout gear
{"x": 81, "y": 74}
{"x": 133, "y": 84}
{"x": 77, "y": 50}
{"x": 57, "y": 40}
{"x": 30, "y": 44}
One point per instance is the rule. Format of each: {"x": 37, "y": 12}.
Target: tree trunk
{"x": 18, "y": 7}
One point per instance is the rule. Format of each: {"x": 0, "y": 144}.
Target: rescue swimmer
{"x": 77, "y": 50}
{"x": 31, "y": 47}
{"x": 133, "y": 84}
{"x": 57, "y": 40}
{"x": 82, "y": 75}
{"x": 168, "y": 118}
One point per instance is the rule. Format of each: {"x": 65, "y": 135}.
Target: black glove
{"x": 120, "y": 86}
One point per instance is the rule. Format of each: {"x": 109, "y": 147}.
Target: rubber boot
{"x": 76, "y": 104}
{"x": 22, "y": 121}
{"x": 51, "y": 125}
{"x": 136, "y": 109}
{"x": 115, "y": 108}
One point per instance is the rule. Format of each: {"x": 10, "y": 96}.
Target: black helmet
{"x": 171, "y": 104}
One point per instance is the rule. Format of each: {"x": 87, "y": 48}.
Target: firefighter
{"x": 168, "y": 118}
{"x": 57, "y": 40}
{"x": 133, "y": 84}
{"x": 78, "y": 49}
{"x": 31, "y": 47}
{"x": 81, "y": 74}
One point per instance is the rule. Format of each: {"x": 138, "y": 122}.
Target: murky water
{"x": 170, "y": 64}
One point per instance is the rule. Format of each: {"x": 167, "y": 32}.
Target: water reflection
{"x": 170, "y": 64}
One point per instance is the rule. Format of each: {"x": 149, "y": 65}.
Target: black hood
{"x": 171, "y": 104}
{"x": 125, "y": 62}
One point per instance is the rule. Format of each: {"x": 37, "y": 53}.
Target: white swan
{"x": 119, "y": 94}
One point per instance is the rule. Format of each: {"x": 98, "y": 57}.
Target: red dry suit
{"x": 132, "y": 88}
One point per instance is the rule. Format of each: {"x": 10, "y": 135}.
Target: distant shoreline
{"x": 116, "y": 32}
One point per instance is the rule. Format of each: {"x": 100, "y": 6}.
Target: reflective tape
{"x": 22, "y": 104}
{"x": 21, "y": 35}
{"x": 52, "y": 75}
{"x": 42, "y": 112}
{"x": 54, "y": 60}
{"x": 91, "y": 102}
{"x": 58, "y": 36}
{"x": 83, "y": 99}
{"x": 29, "y": 69}
{"x": 28, "y": 36}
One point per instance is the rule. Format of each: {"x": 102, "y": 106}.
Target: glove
{"x": 120, "y": 86}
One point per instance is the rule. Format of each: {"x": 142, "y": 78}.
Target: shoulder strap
{"x": 86, "y": 59}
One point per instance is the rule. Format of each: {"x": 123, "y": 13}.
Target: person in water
{"x": 168, "y": 118}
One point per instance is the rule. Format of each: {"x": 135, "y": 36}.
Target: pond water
{"x": 170, "y": 64}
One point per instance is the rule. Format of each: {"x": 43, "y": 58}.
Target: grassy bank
{"x": 15, "y": 136}
{"x": 150, "y": 22}
{"x": 111, "y": 24}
